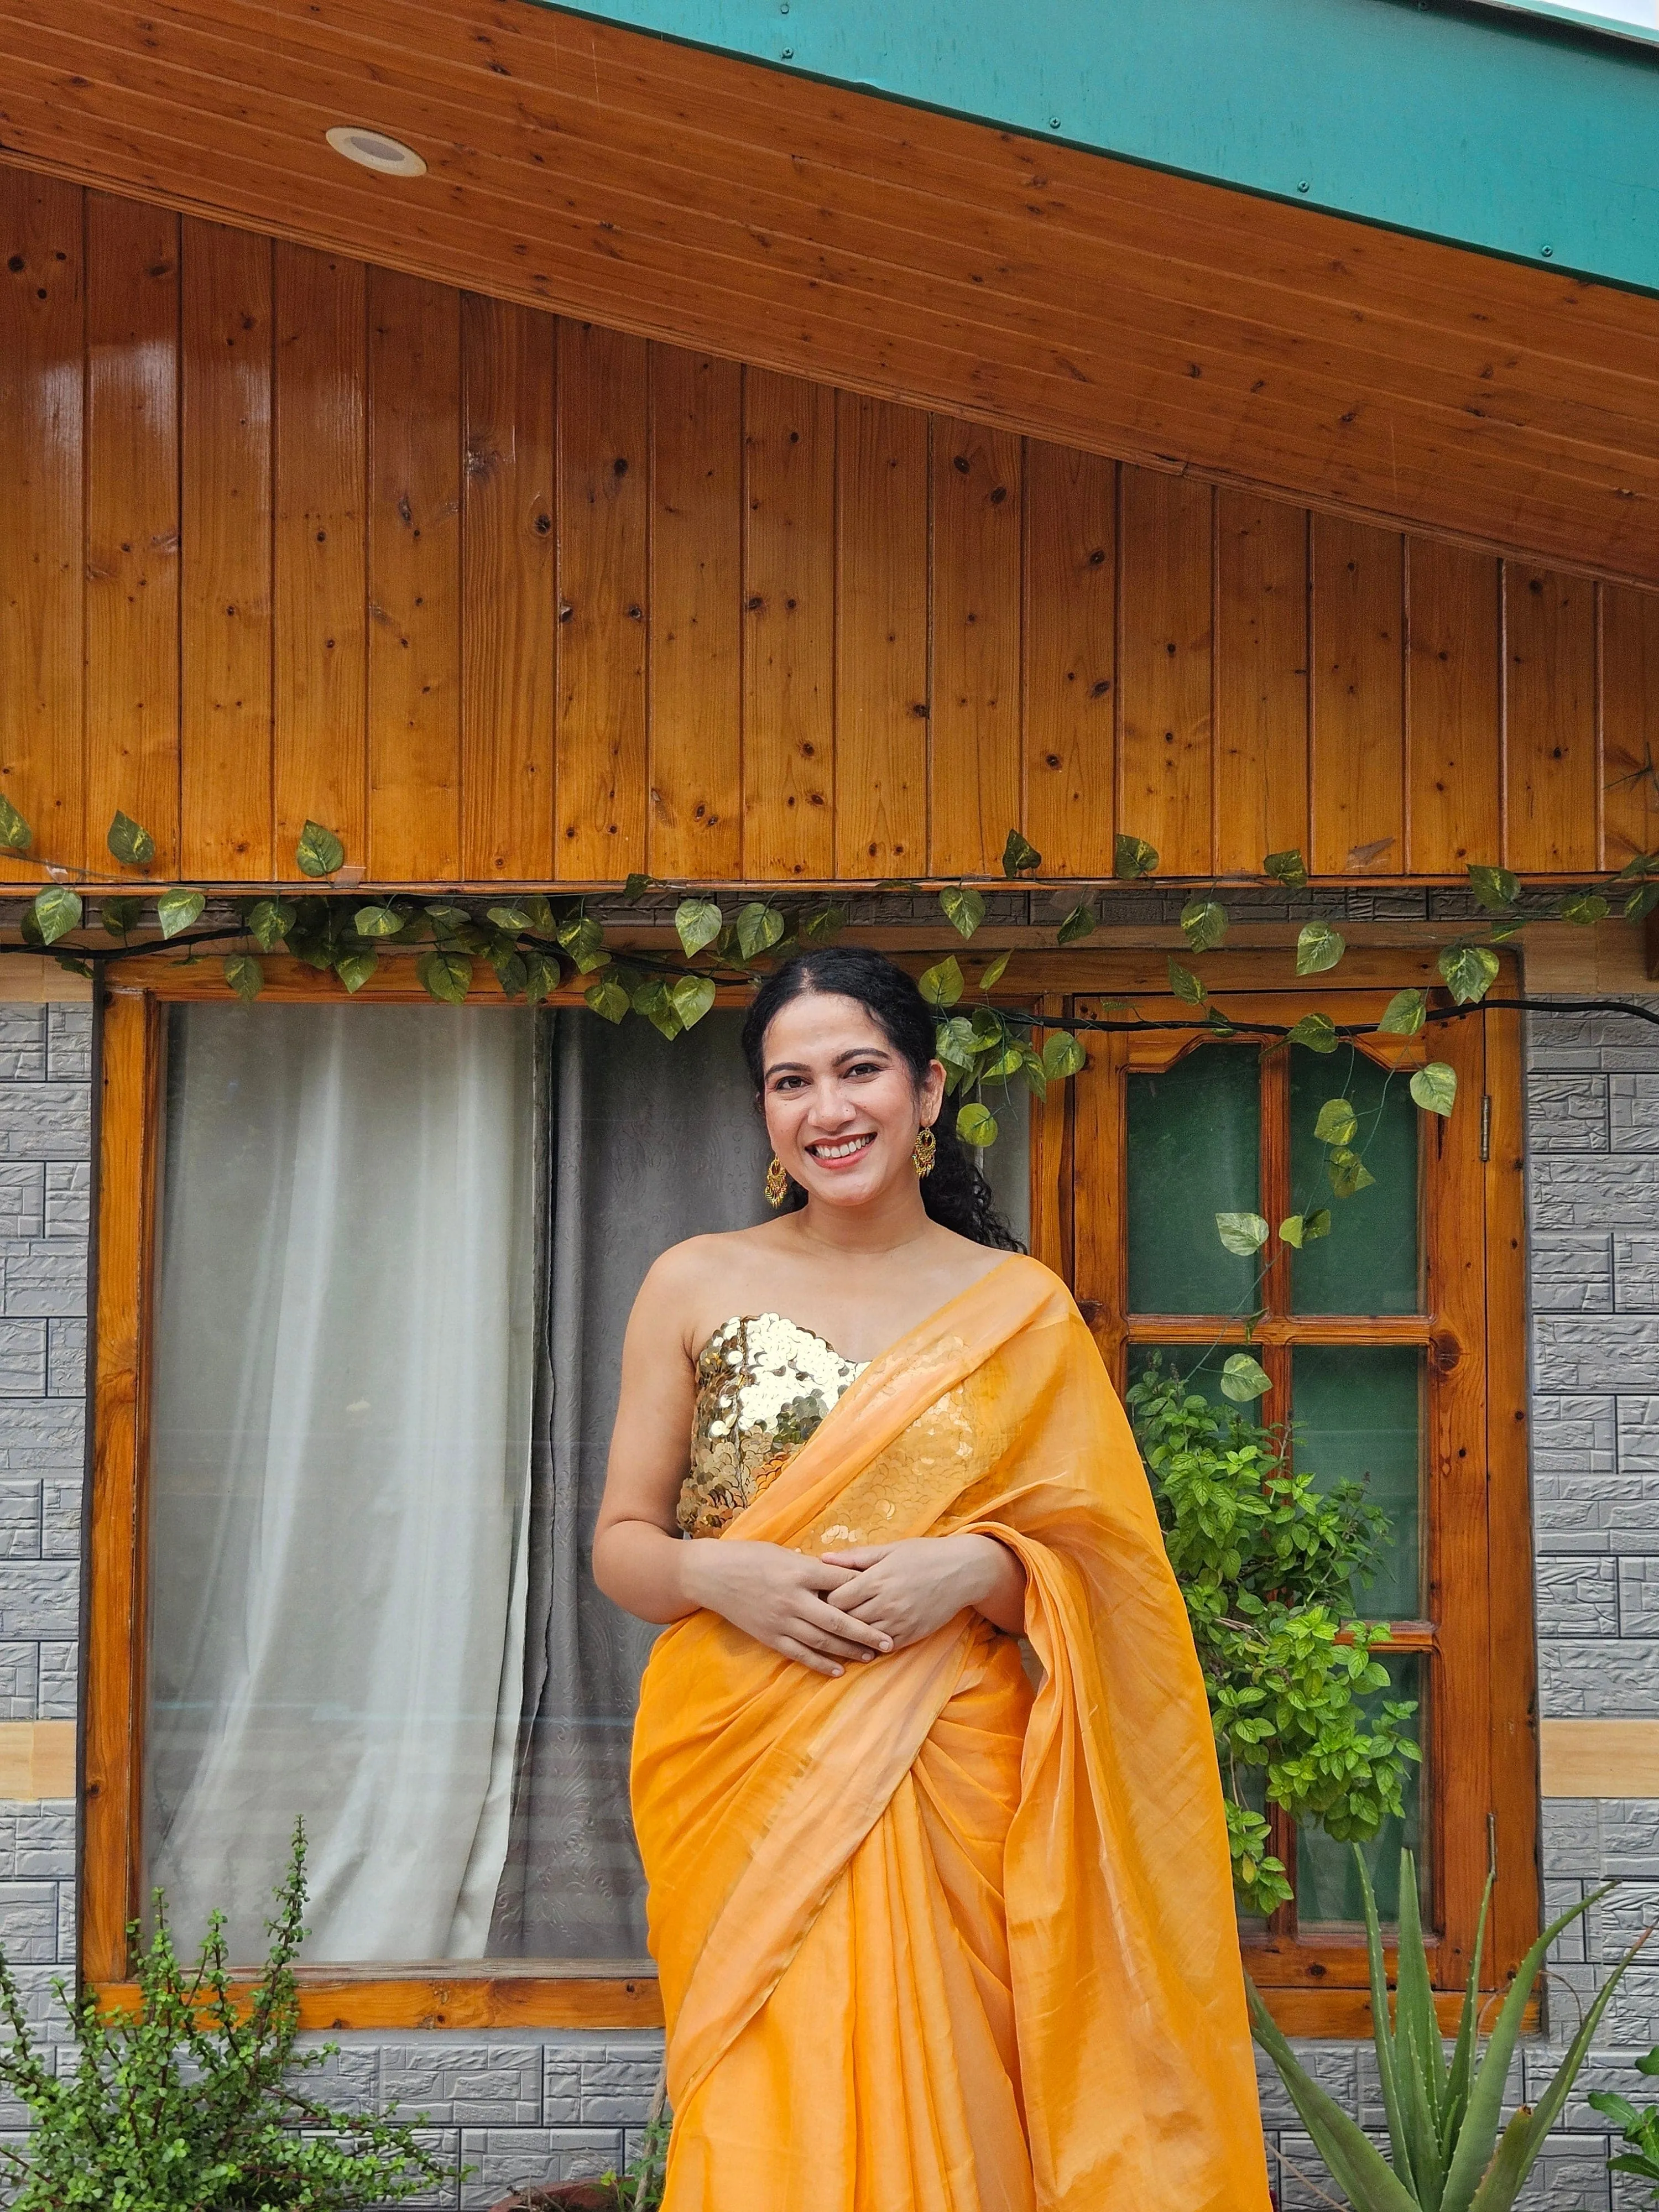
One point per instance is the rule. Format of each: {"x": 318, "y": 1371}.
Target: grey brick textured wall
{"x": 516, "y": 2106}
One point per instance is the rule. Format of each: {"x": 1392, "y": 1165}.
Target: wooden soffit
{"x": 713, "y": 203}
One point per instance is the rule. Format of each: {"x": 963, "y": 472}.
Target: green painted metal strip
{"x": 1508, "y": 132}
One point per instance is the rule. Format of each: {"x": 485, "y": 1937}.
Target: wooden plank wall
{"x": 504, "y": 598}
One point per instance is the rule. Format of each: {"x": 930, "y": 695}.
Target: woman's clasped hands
{"x": 853, "y": 1605}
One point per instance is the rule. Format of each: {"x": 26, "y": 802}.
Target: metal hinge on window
{"x": 1485, "y": 1127}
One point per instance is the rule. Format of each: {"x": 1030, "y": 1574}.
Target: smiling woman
{"x": 903, "y": 1907}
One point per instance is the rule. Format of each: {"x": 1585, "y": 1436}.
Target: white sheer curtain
{"x": 340, "y": 1455}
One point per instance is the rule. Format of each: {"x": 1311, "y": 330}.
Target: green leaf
{"x": 1079, "y": 922}
{"x": 1405, "y": 1013}
{"x": 1219, "y": 1023}
{"x": 1316, "y": 1224}
{"x": 1468, "y": 971}
{"x": 636, "y": 887}
{"x": 132, "y": 844}
{"x": 692, "y": 996}
{"x": 539, "y": 919}
{"x": 1287, "y": 868}
{"x": 1317, "y": 1031}
{"x": 1497, "y": 888}
{"x": 120, "y": 915}
{"x": 976, "y": 1125}
{"x": 245, "y": 975}
{"x": 699, "y": 922}
{"x": 377, "y": 922}
{"x": 759, "y": 929}
{"x": 541, "y": 975}
{"x": 318, "y": 851}
{"x": 584, "y": 940}
{"x": 1293, "y": 1229}
{"x": 1204, "y": 922}
{"x": 1132, "y": 857}
{"x": 941, "y": 984}
{"x": 608, "y": 998}
{"x": 15, "y": 834}
{"x": 1244, "y": 1378}
{"x": 1348, "y": 1171}
{"x": 965, "y": 908}
{"x": 354, "y": 968}
{"x": 1585, "y": 908}
{"x": 177, "y": 907}
{"x": 1640, "y": 864}
{"x": 508, "y": 964}
{"x": 1337, "y": 1122}
{"x": 1185, "y": 985}
{"x": 1640, "y": 903}
{"x": 998, "y": 968}
{"x": 1357, "y": 2167}
{"x": 445, "y": 974}
{"x": 1318, "y": 947}
{"x": 1062, "y": 1055}
{"x": 512, "y": 918}
{"x": 1019, "y": 857}
{"x": 1243, "y": 1233}
{"x": 654, "y": 1000}
{"x": 268, "y": 921}
{"x": 822, "y": 924}
{"x": 1435, "y": 1087}
{"x": 57, "y": 910}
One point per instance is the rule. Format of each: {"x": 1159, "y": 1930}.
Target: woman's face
{"x": 841, "y": 1108}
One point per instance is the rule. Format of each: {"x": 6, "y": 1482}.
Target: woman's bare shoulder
{"x": 684, "y": 1284}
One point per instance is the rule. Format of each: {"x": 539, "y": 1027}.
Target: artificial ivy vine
{"x": 527, "y": 939}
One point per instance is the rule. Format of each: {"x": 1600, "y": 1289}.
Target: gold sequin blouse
{"x": 763, "y": 1384}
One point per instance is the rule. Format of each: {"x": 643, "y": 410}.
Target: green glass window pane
{"x": 1357, "y": 1411}
{"x": 1369, "y": 1263}
{"x": 1194, "y": 1142}
{"x": 1328, "y": 1893}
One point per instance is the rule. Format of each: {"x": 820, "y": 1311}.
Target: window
{"x": 363, "y": 1272}
{"x": 1379, "y": 1342}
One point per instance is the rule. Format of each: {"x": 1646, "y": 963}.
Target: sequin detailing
{"x": 763, "y": 1384}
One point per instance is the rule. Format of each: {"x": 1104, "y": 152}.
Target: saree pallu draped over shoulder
{"x": 930, "y": 1942}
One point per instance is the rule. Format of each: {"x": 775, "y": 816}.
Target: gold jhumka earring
{"x": 924, "y": 1151}
{"x": 777, "y": 1183}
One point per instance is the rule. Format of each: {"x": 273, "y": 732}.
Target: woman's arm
{"x": 909, "y": 1588}
{"x": 639, "y": 1559}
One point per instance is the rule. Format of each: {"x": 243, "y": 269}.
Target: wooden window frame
{"x": 1313, "y": 1990}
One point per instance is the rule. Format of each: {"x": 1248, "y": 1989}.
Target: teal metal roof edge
{"x": 1517, "y": 134}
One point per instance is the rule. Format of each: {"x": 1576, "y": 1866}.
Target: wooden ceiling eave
{"x": 701, "y": 200}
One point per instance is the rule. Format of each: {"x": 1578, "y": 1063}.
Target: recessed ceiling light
{"x": 373, "y": 149}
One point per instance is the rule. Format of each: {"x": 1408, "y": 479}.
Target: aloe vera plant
{"x": 1447, "y": 2154}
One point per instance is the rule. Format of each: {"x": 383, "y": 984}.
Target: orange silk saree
{"x": 930, "y": 1942}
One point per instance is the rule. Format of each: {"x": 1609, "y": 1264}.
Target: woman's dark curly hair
{"x": 955, "y": 1194}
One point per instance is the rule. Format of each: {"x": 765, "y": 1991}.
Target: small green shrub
{"x": 1265, "y": 1563}
{"x": 1638, "y": 2128}
{"x": 189, "y": 2103}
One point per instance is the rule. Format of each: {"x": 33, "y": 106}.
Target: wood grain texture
{"x": 132, "y": 525}
{"x": 414, "y": 579}
{"x": 42, "y": 340}
{"x": 37, "y": 1761}
{"x": 1166, "y": 544}
{"x": 1454, "y": 714}
{"x": 1358, "y": 685}
{"x": 789, "y": 709}
{"x": 695, "y": 826}
{"x": 974, "y": 733}
{"x": 1599, "y": 1758}
{"x": 509, "y": 581}
{"x": 1262, "y": 682}
{"x": 604, "y": 584}
{"x": 129, "y": 1074}
{"x": 700, "y": 200}
{"x": 319, "y": 552}
{"x": 447, "y": 1999}
{"x": 1071, "y": 657}
{"x": 324, "y": 568}
{"x": 881, "y": 641}
{"x": 225, "y": 717}
{"x": 1552, "y": 794}
{"x": 1630, "y": 723}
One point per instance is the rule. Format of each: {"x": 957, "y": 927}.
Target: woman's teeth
{"x": 844, "y": 1151}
